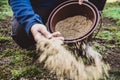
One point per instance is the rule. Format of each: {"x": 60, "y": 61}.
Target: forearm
{"x": 24, "y": 13}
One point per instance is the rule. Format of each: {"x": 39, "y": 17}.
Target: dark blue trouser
{"x": 23, "y": 40}
{"x": 20, "y": 36}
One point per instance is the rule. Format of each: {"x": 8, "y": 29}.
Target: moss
{"x": 114, "y": 74}
{"x": 118, "y": 23}
{"x": 19, "y": 61}
{"x": 109, "y": 46}
{"x": 17, "y": 51}
{"x": 5, "y": 39}
{"x": 8, "y": 52}
{"x": 3, "y": 30}
{"x": 99, "y": 47}
{"x": 117, "y": 35}
{"x": 26, "y": 72}
{"x": 5, "y": 73}
{"x": 19, "y": 64}
{"x": 4, "y": 10}
{"x": 105, "y": 35}
{"x": 18, "y": 57}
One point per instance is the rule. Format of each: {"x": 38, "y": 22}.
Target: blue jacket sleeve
{"x": 24, "y": 13}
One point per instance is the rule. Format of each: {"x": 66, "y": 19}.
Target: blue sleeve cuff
{"x": 25, "y": 14}
{"x": 30, "y": 23}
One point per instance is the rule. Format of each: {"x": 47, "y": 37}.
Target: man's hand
{"x": 81, "y": 1}
{"x": 39, "y": 31}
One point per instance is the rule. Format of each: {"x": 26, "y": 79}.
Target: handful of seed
{"x": 74, "y": 27}
{"x": 61, "y": 61}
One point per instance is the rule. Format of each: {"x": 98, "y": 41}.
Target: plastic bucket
{"x": 73, "y": 8}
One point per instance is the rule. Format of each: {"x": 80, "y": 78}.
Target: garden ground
{"x": 17, "y": 63}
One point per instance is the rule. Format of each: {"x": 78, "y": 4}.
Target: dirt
{"x": 77, "y": 25}
{"x": 5, "y": 31}
{"x": 113, "y": 54}
{"x": 114, "y": 58}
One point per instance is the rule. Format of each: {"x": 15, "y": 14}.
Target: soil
{"x": 113, "y": 54}
{"x": 113, "y": 57}
{"x": 5, "y": 31}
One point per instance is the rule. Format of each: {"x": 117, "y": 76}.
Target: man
{"x": 31, "y": 15}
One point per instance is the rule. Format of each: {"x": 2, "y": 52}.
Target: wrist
{"x": 35, "y": 26}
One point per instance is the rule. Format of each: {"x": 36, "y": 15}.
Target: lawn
{"x": 21, "y": 64}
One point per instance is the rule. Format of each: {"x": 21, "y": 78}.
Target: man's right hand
{"x": 40, "y": 31}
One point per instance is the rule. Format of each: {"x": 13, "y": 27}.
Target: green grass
{"x": 4, "y": 39}
{"x": 112, "y": 11}
{"x": 21, "y": 63}
{"x": 105, "y": 35}
{"x": 113, "y": 4}
{"x": 110, "y": 35}
{"x": 115, "y": 74}
{"x": 25, "y": 72}
{"x": 5, "y": 10}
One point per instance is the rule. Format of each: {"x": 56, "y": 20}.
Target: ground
{"x": 20, "y": 64}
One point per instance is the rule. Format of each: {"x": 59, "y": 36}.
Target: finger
{"x": 45, "y": 33}
{"x": 38, "y": 37}
{"x": 60, "y": 38}
{"x": 80, "y": 2}
{"x": 56, "y": 34}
